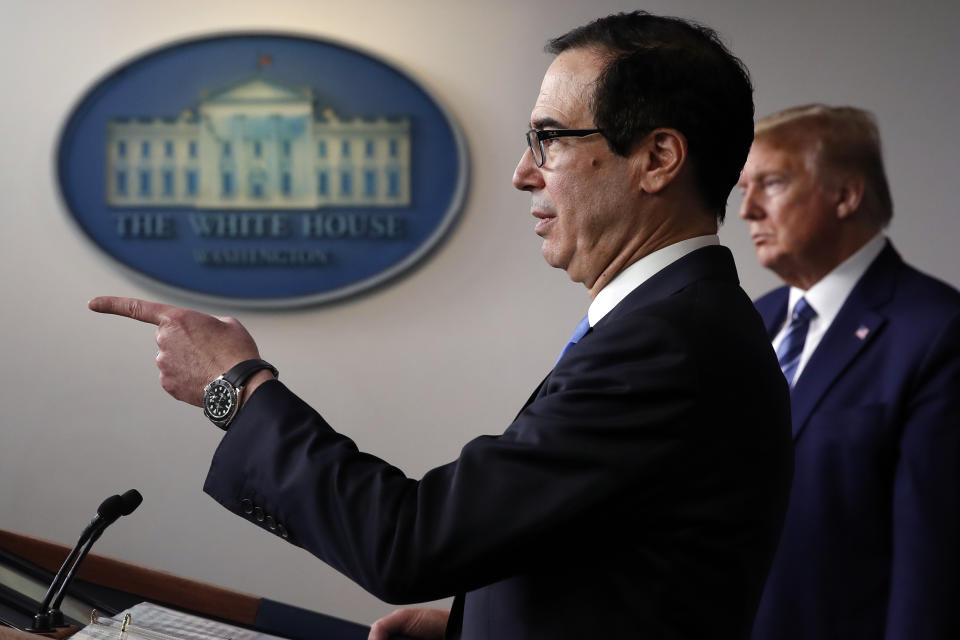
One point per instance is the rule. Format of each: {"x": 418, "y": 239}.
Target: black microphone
{"x": 47, "y": 616}
{"x": 129, "y": 501}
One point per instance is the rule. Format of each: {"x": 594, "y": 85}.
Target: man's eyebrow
{"x": 545, "y": 122}
{"x": 760, "y": 176}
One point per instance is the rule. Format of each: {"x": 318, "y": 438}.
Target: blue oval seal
{"x": 262, "y": 169}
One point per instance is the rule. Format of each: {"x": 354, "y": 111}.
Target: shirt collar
{"x": 640, "y": 271}
{"x": 830, "y": 292}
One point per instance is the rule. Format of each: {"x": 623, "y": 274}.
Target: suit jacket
{"x": 638, "y": 493}
{"x": 870, "y": 543}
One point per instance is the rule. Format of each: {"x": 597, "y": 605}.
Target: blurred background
{"x": 414, "y": 370}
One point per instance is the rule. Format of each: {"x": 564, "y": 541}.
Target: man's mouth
{"x": 544, "y": 221}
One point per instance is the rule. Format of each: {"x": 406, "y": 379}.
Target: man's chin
{"x": 767, "y": 256}
{"x": 551, "y": 256}
{"x": 780, "y": 264}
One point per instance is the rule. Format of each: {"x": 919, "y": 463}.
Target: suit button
{"x": 258, "y": 514}
{"x": 271, "y": 523}
{"x": 247, "y": 506}
{"x": 282, "y": 531}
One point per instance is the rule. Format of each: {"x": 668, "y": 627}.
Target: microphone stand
{"x": 48, "y": 614}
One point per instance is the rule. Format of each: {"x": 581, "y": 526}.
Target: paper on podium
{"x": 147, "y": 621}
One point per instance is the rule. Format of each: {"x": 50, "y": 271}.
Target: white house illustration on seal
{"x": 258, "y": 144}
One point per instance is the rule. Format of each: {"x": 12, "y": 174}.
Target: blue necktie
{"x": 578, "y": 333}
{"x": 792, "y": 345}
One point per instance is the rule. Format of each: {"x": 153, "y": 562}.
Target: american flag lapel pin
{"x": 862, "y": 332}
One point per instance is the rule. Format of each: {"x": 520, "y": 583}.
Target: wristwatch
{"x": 221, "y": 398}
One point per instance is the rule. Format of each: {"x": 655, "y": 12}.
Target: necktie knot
{"x": 581, "y": 330}
{"x": 803, "y": 312}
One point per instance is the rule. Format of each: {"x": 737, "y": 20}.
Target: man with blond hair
{"x": 871, "y": 349}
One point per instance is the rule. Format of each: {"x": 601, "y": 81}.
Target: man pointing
{"x": 641, "y": 489}
{"x": 191, "y": 345}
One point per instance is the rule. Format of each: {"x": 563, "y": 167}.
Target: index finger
{"x": 142, "y": 310}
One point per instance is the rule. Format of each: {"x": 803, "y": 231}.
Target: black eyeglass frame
{"x": 550, "y": 134}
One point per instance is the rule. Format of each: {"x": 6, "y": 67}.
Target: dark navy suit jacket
{"x": 871, "y": 544}
{"x": 638, "y": 493}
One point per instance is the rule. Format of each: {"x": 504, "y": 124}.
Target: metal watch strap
{"x": 239, "y": 373}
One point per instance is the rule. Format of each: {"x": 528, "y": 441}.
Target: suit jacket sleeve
{"x": 925, "y": 577}
{"x": 619, "y": 415}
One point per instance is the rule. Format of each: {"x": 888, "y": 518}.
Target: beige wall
{"x": 412, "y": 371}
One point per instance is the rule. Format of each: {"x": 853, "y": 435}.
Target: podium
{"x": 111, "y": 585}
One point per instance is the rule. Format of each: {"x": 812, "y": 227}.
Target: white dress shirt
{"x": 827, "y": 297}
{"x": 640, "y": 271}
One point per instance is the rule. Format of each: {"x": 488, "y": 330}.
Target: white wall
{"x": 412, "y": 371}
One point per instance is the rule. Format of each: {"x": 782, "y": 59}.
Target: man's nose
{"x": 527, "y": 175}
{"x": 750, "y": 208}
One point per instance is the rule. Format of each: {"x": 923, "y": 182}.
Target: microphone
{"x": 110, "y": 510}
{"x": 128, "y": 502}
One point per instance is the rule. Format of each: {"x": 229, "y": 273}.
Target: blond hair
{"x": 841, "y": 139}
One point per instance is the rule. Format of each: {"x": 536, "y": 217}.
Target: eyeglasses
{"x": 535, "y": 138}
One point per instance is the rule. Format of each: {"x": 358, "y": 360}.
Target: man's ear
{"x": 659, "y": 158}
{"x": 849, "y": 195}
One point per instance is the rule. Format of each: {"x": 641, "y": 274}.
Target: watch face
{"x": 219, "y": 399}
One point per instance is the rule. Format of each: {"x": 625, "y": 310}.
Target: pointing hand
{"x": 194, "y": 348}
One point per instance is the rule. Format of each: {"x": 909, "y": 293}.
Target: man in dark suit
{"x": 872, "y": 349}
{"x": 641, "y": 489}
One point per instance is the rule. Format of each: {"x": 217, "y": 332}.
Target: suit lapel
{"x": 856, "y": 326}
{"x": 849, "y": 334}
{"x": 773, "y": 310}
{"x": 533, "y": 396}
